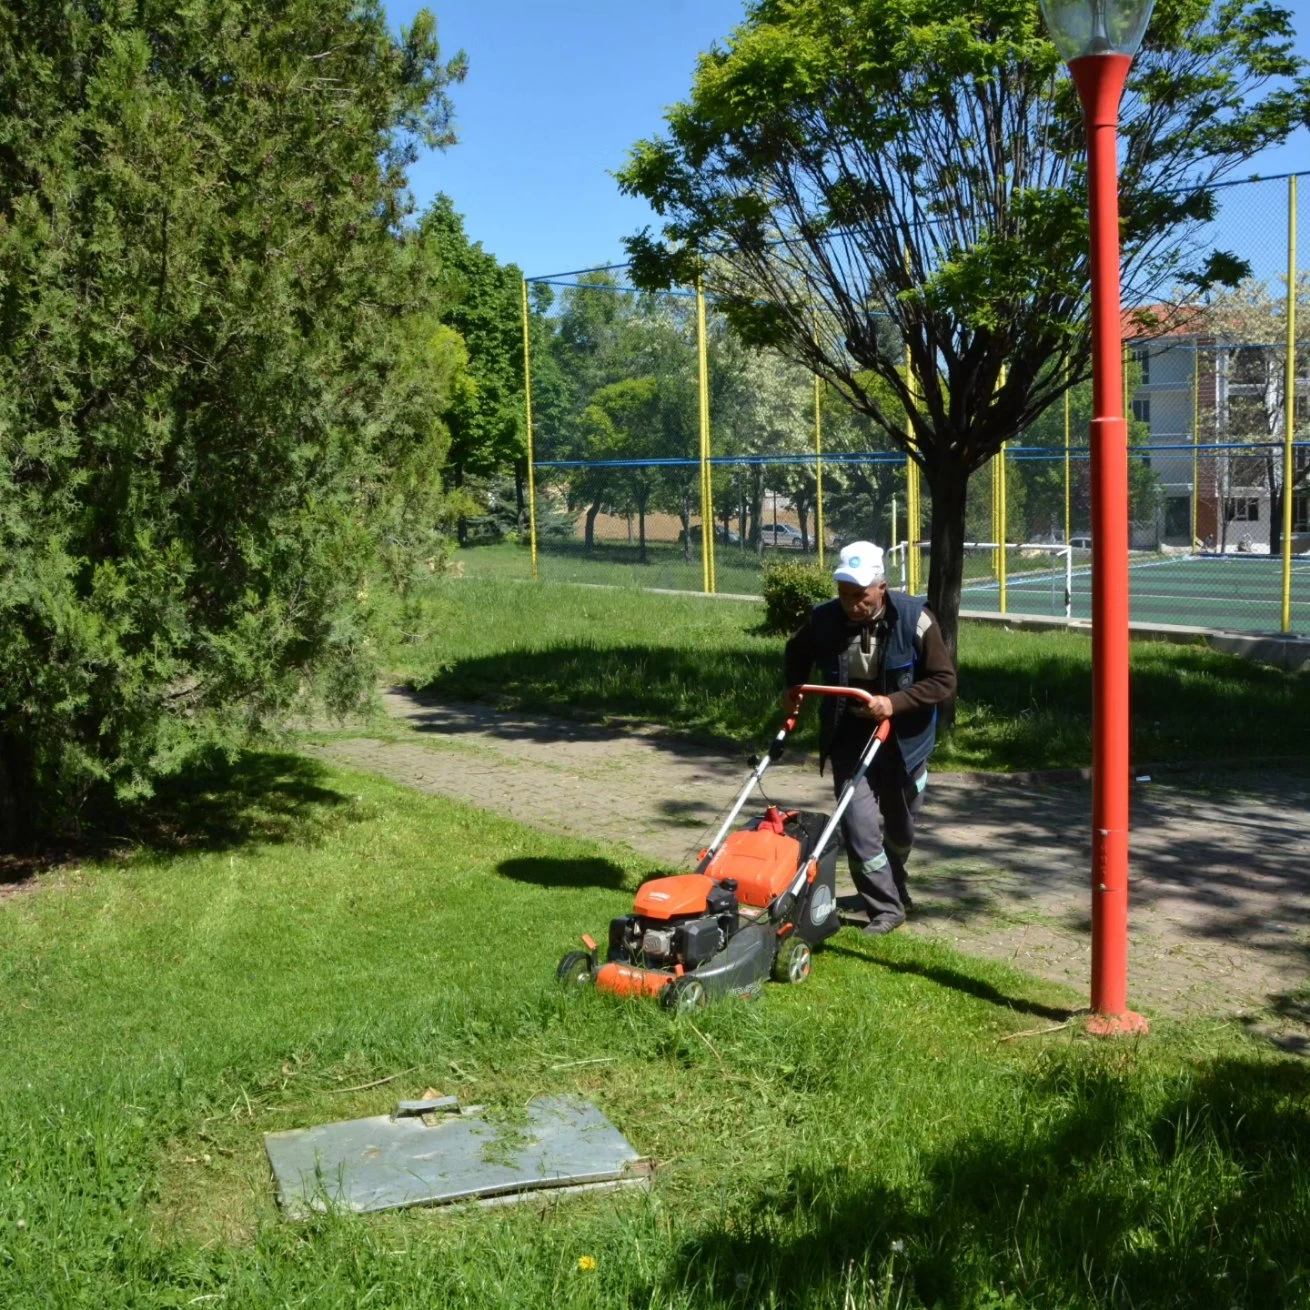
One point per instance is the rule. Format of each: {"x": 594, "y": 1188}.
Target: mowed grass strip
{"x": 909, "y": 1127}
{"x": 704, "y": 666}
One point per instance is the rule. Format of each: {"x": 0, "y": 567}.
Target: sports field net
{"x": 626, "y": 385}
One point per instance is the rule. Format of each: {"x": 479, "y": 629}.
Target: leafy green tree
{"x": 485, "y": 417}
{"x": 921, "y": 163}
{"x": 629, "y": 413}
{"x": 220, "y": 374}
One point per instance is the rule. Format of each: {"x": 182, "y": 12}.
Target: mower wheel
{"x": 683, "y": 995}
{"x": 792, "y": 962}
{"x": 575, "y": 969}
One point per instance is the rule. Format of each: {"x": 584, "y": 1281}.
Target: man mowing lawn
{"x": 894, "y": 649}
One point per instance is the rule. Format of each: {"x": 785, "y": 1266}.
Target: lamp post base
{"x": 1127, "y": 1024}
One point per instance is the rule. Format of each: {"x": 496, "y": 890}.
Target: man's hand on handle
{"x": 878, "y": 709}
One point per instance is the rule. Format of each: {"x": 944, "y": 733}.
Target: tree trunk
{"x": 686, "y": 528}
{"x": 802, "y": 515}
{"x": 589, "y": 531}
{"x": 461, "y": 524}
{"x": 1275, "y": 508}
{"x": 946, "y": 563}
{"x": 757, "y": 509}
{"x": 641, "y": 530}
{"x": 520, "y": 501}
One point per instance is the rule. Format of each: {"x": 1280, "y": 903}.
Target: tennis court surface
{"x": 1239, "y": 593}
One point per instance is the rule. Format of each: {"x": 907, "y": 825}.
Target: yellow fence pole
{"x": 1289, "y": 399}
{"x": 1196, "y": 438}
{"x": 911, "y": 494}
{"x": 1068, "y": 498}
{"x": 527, "y": 405}
{"x": 1000, "y": 521}
{"x": 912, "y": 524}
{"x": 706, "y": 484}
{"x": 1002, "y": 564}
{"x": 995, "y": 535}
{"x": 818, "y": 464}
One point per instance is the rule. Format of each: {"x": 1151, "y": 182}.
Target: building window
{"x": 1142, "y": 410}
{"x": 1301, "y": 513}
{"x": 1143, "y": 358}
{"x": 1242, "y": 509}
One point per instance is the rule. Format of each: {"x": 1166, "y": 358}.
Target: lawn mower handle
{"x": 816, "y": 689}
{"x": 774, "y": 753}
{"x": 782, "y": 907}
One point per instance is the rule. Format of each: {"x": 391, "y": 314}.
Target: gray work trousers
{"x": 878, "y": 826}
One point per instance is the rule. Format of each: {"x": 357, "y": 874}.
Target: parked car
{"x": 1081, "y": 543}
{"x": 781, "y": 537}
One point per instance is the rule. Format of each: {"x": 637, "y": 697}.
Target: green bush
{"x": 791, "y": 590}
{"x": 221, "y": 376}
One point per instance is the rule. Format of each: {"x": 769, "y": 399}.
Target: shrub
{"x": 221, "y": 377}
{"x": 791, "y": 589}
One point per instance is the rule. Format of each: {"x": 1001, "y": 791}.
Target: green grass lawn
{"x": 703, "y": 666}
{"x": 866, "y": 1139}
{"x": 737, "y": 571}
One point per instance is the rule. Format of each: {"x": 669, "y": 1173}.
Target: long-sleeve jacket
{"x": 914, "y": 668}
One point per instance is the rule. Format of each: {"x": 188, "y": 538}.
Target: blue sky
{"x": 558, "y": 92}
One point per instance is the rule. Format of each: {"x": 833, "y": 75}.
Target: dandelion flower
{"x": 586, "y": 1263}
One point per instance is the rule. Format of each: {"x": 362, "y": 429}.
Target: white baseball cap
{"x": 861, "y": 564}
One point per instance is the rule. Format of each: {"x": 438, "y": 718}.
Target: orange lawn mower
{"x": 759, "y": 901}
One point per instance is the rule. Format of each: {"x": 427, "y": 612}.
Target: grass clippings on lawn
{"x": 878, "y": 1136}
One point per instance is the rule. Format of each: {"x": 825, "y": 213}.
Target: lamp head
{"x": 1097, "y": 27}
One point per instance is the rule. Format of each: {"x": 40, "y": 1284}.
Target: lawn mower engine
{"x": 726, "y": 928}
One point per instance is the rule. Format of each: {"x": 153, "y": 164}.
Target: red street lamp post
{"x": 1098, "y": 38}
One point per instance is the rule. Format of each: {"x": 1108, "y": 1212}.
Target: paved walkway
{"x": 1219, "y": 904}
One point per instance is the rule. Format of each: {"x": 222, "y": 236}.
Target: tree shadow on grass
{"x": 1189, "y": 704}
{"x": 956, "y": 981}
{"x": 591, "y": 871}
{"x": 1100, "y": 1190}
{"x": 218, "y": 803}
{"x": 215, "y": 803}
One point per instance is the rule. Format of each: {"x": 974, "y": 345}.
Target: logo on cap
{"x": 854, "y": 561}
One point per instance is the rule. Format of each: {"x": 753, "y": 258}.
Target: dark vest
{"x": 915, "y": 732}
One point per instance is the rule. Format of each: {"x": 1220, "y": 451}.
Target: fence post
{"x": 1002, "y": 569}
{"x": 527, "y": 405}
{"x": 1289, "y": 403}
{"x": 911, "y": 475}
{"x": 1196, "y": 439}
{"x": 911, "y": 496}
{"x": 1068, "y": 502}
{"x": 1001, "y": 523}
{"x": 706, "y": 485}
{"x": 818, "y": 464}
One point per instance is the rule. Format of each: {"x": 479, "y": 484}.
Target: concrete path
{"x": 1219, "y": 902}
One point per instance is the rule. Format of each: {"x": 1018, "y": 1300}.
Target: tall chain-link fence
{"x": 667, "y": 455}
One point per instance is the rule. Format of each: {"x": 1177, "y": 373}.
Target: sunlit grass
{"x": 704, "y": 666}
{"x": 902, "y": 1129}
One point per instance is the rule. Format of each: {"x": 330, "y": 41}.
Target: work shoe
{"x": 883, "y": 924}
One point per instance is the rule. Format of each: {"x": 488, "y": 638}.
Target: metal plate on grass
{"x": 385, "y": 1163}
